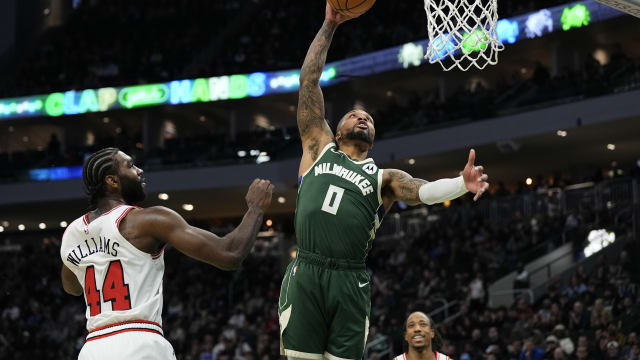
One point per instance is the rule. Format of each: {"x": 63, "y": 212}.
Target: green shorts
{"x": 324, "y": 308}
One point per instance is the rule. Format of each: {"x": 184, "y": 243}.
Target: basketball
{"x": 351, "y": 7}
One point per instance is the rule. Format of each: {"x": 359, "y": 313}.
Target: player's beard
{"x": 360, "y": 136}
{"x": 132, "y": 190}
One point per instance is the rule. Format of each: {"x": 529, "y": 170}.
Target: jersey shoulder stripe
{"x": 124, "y": 214}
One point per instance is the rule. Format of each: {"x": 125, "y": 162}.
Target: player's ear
{"x": 111, "y": 180}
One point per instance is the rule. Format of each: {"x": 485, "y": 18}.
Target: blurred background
{"x": 203, "y": 94}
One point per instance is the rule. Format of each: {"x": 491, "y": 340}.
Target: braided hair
{"x": 99, "y": 165}
{"x": 436, "y": 342}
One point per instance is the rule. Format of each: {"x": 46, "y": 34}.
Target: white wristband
{"x": 442, "y": 190}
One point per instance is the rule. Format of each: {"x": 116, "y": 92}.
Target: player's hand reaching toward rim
{"x": 259, "y": 194}
{"x": 334, "y": 16}
{"x": 474, "y": 178}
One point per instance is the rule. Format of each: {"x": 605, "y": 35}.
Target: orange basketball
{"x": 351, "y": 7}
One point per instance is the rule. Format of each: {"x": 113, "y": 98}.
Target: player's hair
{"x": 98, "y": 165}
{"x": 342, "y": 119}
{"x": 436, "y": 342}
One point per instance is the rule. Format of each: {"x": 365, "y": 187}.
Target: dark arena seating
{"x": 543, "y": 266}
{"x": 227, "y": 315}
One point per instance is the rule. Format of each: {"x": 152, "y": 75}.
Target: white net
{"x": 462, "y": 33}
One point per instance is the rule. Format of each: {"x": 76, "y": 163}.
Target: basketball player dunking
{"x": 114, "y": 256}
{"x": 342, "y": 196}
{"x": 423, "y": 339}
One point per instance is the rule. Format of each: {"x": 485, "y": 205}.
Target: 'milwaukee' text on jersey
{"x": 339, "y": 205}
{"x": 360, "y": 181}
{"x": 91, "y": 246}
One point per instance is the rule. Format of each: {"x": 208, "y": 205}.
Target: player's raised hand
{"x": 474, "y": 178}
{"x": 259, "y": 194}
{"x": 334, "y": 16}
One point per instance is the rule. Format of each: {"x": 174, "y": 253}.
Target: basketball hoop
{"x": 462, "y": 33}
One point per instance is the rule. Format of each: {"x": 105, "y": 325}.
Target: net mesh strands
{"x": 462, "y": 33}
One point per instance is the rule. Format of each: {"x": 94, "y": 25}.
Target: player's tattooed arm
{"x": 314, "y": 130}
{"x": 400, "y": 186}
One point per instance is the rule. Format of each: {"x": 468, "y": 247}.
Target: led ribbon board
{"x": 58, "y": 173}
{"x": 239, "y": 86}
{"x": 172, "y": 93}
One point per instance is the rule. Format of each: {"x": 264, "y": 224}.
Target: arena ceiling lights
{"x": 239, "y": 86}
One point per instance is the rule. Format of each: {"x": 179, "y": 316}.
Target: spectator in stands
{"x": 544, "y": 315}
{"x": 496, "y": 341}
{"x": 514, "y": 349}
{"x": 557, "y": 314}
{"x": 477, "y": 294}
{"x": 522, "y": 278}
{"x": 531, "y": 351}
{"x": 633, "y": 353}
{"x": 558, "y": 354}
{"x": 632, "y": 339}
{"x": 600, "y": 316}
{"x": 613, "y": 351}
{"x": 582, "y": 353}
{"x": 629, "y": 313}
{"x": 576, "y": 287}
{"x": 565, "y": 342}
{"x": 615, "y": 333}
{"x": 602, "y": 341}
{"x": 552, "y": 345}
{"x": 578, "y": 318}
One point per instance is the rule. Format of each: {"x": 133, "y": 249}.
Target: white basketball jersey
{"x": 122, "y": 284}
{"x": 439, "y": 356}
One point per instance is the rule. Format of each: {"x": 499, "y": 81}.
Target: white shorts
{"x": 130, "y": 345}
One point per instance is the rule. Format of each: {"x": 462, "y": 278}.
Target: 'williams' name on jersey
{"x": 92, "y": 246}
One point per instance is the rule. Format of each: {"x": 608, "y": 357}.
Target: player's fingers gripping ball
{"x": 351, "y": 7}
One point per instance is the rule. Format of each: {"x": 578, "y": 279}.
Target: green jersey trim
{"x": 380, "y": 186}
{"x": 353, "y": 161}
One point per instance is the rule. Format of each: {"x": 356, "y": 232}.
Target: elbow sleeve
{"x": 442, "y": 190}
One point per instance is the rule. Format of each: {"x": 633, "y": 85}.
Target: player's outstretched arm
{"x": 400, "y": 186}
{"x": 314, "y": 130}
{"x": 227, "y": 252}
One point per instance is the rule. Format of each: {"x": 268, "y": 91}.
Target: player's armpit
{"x": 70, "y": 282}
{"x": 311, "y": 152}
{"x": 397, "y": 185}
{"x": 168, "y": 226}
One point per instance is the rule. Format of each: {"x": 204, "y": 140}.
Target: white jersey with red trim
{"x": 439, "y": 356}
{"x": 122, "y": 284}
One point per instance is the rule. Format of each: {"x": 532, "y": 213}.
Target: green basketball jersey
{"x": 339, "y": 206}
